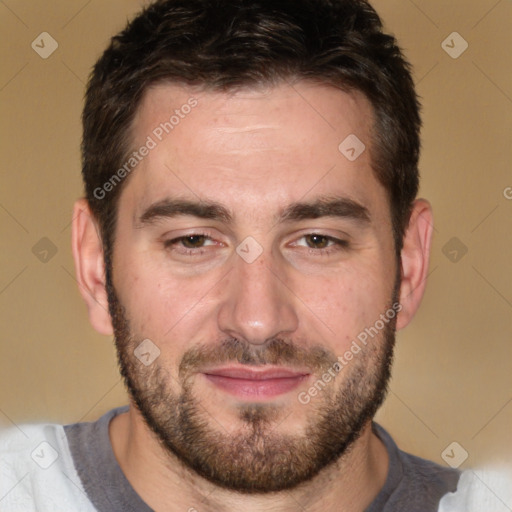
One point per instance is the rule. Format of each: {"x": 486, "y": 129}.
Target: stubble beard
{"x": 258, "y": 458}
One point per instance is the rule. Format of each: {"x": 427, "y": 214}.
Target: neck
{"x": 163, "y": 482}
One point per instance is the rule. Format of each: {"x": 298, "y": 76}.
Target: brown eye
{"x": 321, "y": 245}
{"x": 317, "y": 241}
{"x": 194, "y": 244}
{"x": 193, "y": 241}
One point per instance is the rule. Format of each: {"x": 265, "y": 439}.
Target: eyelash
{"x": 337, "y": 244}
{"x": 168, "y": 244}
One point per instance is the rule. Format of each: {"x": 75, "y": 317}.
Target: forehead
{"x": 252, "y": 147}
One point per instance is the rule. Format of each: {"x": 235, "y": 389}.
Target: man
{"x": 251, "y": 236}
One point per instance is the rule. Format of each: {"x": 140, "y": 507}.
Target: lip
{"x": 256, "y": 384}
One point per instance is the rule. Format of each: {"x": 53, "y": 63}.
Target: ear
{"x": 89, "y": 266}
{"x": 415, "y": 257}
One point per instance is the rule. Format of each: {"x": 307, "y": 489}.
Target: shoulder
{"x": 487, "y": 488}
{"x": 414, "y": 484}
{"x": 425, "y": 474}
{"x": 36, "y": 470}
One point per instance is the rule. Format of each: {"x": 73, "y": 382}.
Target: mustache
{"x": 277, "y": 351}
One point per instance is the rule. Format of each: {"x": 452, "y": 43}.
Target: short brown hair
{"x": 225, "y": 44}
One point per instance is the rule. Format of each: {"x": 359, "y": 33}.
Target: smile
{"x": 255, "y": 384}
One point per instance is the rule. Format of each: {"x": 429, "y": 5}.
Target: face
{"x": 253, "y": 257}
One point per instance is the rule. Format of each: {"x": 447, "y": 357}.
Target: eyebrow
{"x": 169, "y": 208}
{"x": 341, "y": 207}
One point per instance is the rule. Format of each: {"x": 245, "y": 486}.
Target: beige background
{"x": 453, "y": 373}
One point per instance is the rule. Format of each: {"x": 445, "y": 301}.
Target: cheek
{"x": 159, "y": 305}
{"x": 343, "y": 305}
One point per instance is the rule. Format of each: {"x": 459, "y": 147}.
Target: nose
{"x": 258, "y": 306}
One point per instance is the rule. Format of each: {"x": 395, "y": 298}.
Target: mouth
{"x": 257, "y": 383}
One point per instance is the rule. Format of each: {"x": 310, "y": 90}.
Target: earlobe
{"x": 89, "y": 266}
{"x": 415, "y": 258}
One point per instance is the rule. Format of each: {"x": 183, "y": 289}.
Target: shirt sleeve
{"x": 37, "y": 472}
{"x": 480, "y": 490}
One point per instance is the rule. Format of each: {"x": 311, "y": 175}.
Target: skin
{"x": 255, "y": 152}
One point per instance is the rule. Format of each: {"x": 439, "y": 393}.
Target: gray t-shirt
{"x": 412, "y": 485}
